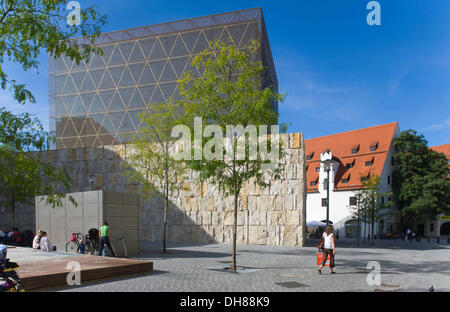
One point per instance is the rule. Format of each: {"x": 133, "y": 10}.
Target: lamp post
{"x": 327, "y": 165}
{"x": 91, "y": 180}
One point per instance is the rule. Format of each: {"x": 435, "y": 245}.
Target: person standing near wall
{"x": 104, "y": 239}
{"x": 328, "y": 249}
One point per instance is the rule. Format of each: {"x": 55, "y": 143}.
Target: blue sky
{"x": 339, "y": 73}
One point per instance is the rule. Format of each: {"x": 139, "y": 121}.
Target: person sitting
{"x": 37, "y": 240}
{"x": 10, "y": 238}
{"x": 45, "y": 243}
{"x": 81, "y": 247}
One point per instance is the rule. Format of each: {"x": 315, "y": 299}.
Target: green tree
{"x": 371, "y": 208}
{"x": 151, "y": 162}
{"x": 23, "y": 172}
{"x": 420, "y": 185}
{"x": 227, "y": 92}
{"x": 29, "y": 27}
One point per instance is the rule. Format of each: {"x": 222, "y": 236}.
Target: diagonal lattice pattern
{"x": 99, "y": 103}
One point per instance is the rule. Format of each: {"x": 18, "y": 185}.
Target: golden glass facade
{"x": 98, "y": 103}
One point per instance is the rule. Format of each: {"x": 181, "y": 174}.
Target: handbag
{"x": 320, "y": 257}
{"x": 321, "y": 242}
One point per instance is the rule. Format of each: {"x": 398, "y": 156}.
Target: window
{"x": 431, "y": 227}
{"x": 368, "y": 163}
{"x": 373, "y": 146}
{"x": 355, "y": 149}
{"x": 317, "y": 169}
{"x": 353, "y": 201}
{"x": 312, "y": 183}
{"x": 344, "y": 180}
{"x": 350, "y": 165}
{"x": 389, "y": 179}
{"x": 364, "y": 179}
{"x": 310, "y": 156}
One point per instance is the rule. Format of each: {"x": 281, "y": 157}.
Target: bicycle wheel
{"x": 71, "y": 247}
{"x": 89, "y": 249}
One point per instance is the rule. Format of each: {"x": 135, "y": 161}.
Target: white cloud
{"x": 438, "y": 126}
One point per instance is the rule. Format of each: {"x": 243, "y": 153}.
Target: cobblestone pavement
{"x": 405, "y": 266}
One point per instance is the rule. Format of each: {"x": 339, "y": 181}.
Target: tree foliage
{"x": 228, "y": 91}
{"x": 151, "y": 162}
{"x": 420, "y": 184}
{"x": 371, "y": 208}
{"x": 23, "y": 172}
{"x": 28, "y": 27}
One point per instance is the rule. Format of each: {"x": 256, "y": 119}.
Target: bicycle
{"x": 91, "y": 242}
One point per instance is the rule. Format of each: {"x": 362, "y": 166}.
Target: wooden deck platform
{"x": 53, "y": 272}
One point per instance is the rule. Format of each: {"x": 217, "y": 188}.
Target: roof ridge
{"x": 442, "y": 145}
{"x": 354, "y": 131}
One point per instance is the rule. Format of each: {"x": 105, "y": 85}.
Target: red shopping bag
{"x": 320, "y": 257}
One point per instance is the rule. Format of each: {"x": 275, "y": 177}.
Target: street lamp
{"x": 92, "y": 180}
{"x": 327, "y": 166}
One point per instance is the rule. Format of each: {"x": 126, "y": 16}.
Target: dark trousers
{"x": 104, "y": 240}
{"x": 325, "y": 254}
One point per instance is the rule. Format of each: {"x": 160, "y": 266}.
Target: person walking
{"x": 104, "y": 239}
{"x": 328, "y": 249}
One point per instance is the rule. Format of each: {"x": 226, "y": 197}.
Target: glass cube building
{"x": 99, "y": 103}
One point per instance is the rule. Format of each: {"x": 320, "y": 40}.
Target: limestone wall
{"x": 274, "y": 215}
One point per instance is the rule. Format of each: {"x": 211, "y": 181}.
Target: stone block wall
{"x": 23, "y": 218}
{"x": 274, "y": 215}
{"x": 93, "y": 207}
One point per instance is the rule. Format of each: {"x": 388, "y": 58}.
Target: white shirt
{"x": 327, "y": 241}
{"x": 35, "y": 242}
{"x": 44, "y": 243}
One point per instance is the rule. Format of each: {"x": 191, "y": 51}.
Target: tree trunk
{"x": 14, "y": 212}
{"x": 166, "y": 202}
{"x": 233, "y": 266}
{"x": 365, "y": 228}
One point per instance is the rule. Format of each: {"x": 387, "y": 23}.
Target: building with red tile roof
{"x": 355, "y": 156}
{"x": 444, "y": 149}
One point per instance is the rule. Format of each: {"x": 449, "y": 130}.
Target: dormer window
{"x": 369, "y": 162}
{"x": 364, "y": 179}
{"x": 312, "y": 183}
{"x": 317, "y": 169}
{"x": 310, "y": 156}
{"x": 373, "y": 146}
{"x": 345, "y": 178}
{"x": 350, "y": 165}
{"x": 355, "y": 149}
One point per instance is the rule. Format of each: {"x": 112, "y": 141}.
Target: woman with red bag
{"x": 328, "y": 248}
